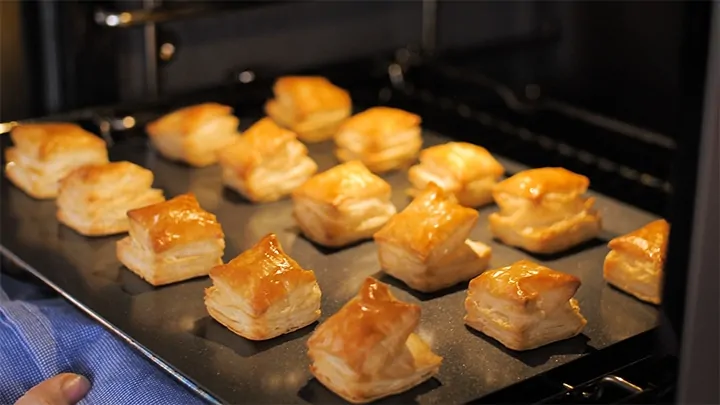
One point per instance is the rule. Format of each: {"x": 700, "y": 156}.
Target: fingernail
{"x": 75, "y": 388}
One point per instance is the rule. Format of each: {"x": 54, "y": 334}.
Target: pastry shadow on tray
{"x": 537, "y": 357}
{"x": 234, "y": 197}
{"x": 630, "y": 296}
{"x": 587, "y": 245}
{"x": 388, "y": 279}
{"x": 70, "y": 235}
{"x": 209, "y": 329}
{"x": 315, "y": 393}
{"x": 327, "y": 251}
{"x": 130, "y": 283}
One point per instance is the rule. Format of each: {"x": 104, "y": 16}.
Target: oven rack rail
{"x": 386, "y": 80}
{"x": 531, "y": 98}
{"x": 545, "y": 142}
{"x": 532, "y": 149}
{"x": 626, "y": 373}
{"x": 155, "y": 13}
{"x": 518, "y": 140}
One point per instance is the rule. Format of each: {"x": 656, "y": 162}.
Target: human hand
{"x": 63, "y": 389}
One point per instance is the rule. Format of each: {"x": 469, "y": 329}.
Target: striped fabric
{"x": 41, "y": 337}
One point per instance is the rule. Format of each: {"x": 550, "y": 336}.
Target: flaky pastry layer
{"x": 263, "y": 293}
{"x": 524, "y": 305}
{"x": 191, "y": 261}
{"x": 50, "y": 141}
{"x": 399, "y": 154}
{"x": 342, "y": 205}
{"x": 300, "y": 308}
{"x": 382, "y": 138}
{"x": 368, "y": 350}
{"x": 460, "y": 264}
{"x": 468, "y": 171}
{"x": 173, "y": 224}
{"x": 310, "y": 106}
{"x": 267, "y": 163}
{"x": 107, "y": 217}
{"x": 45, "y": 153}
{"x": 550, "y": 219}
{"x": 426, "y": 244}
{"x": 640, "y": 278}
{"x": 636, "y": 260}
{"x": 350, "y": 222}
{"x": 523, "y": 332}
{"x": 172, "y": 241}
{"x": 195, "y": 134}
{"x": 268, "y": 185}
{"x": 94, "y": 199}
{"x": 335, "y": 376}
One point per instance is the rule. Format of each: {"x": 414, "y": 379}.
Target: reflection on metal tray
{"x": 171, "y": 326}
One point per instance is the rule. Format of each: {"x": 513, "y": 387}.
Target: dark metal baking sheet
{"x": 171, "y": 326}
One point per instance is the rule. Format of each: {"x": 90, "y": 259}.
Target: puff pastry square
{"x": 342, "y": 205}
{"x": 263, "y": 293}
{"x": 544, "y": 211}
{"x": 382, "y": 138}
{"x": 195, "y": 134}
{"x": 469, "y": 171}
{"x": 311, "y": 106}
{"x": 368, "y": 350}
{"x": 172, "y": 241}
{"x": 524, "y": 305}
{"x": 45, "y": 153}
{"x": 427, "y": 246}
{"x": 94, "y": 199}
{"x": 267, "y": 163}
{"x": 636, "y": 260}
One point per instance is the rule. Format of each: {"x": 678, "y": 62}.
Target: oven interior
{"x": 610, "y": 90}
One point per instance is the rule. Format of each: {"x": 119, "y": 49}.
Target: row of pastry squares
{"x": 263, "y": 293}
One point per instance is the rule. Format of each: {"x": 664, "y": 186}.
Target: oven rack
{"x": 533, "y": 99}
{"x": 628, "y": 372}
{"x": 385, "y": 80}
{"x": 621, "y": 182}
{"x": 544, "y": 141}
{"x": 156, "y": 12}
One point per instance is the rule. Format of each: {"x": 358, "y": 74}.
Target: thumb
{"x": 63, "y": 389}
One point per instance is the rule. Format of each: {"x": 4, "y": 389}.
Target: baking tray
{"x": 170, "y": 325}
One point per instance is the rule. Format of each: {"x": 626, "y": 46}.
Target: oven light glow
{"x": 112, "y": 20}
{"x": 128, "y": 122}
{"x": 246, "y": 76}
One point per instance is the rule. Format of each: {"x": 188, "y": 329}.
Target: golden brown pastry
{"x": 635, "y": 263}
{"x": 342, "y": 205}
{"x": 544, "y": 211}
{"x": 427, "y": 246}
{"x": 195, "y": 134}
{"x": 172, "y": 241}
{"x": 263, "y": 293}
{"x": 267, "y": 163}
{"x": 368, "y": 350}
{"x": 524, "y": 305}
{"x": 45, "y": 153}
{"x": 310, "y": 106}
{"x": 469, "y": 171}
{"x": 94, "y": 199}
{"x": 382, "y": 138}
